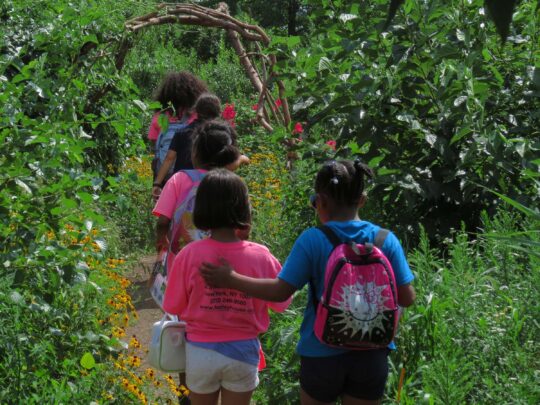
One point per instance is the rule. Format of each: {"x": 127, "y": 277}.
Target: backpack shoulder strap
{"x": 335, "y": 241}
{"x": 158, "y": 142}
{"x": 330, "y": 234}
{"x": 195, "y": 175}
{"x": 380, "y": 237}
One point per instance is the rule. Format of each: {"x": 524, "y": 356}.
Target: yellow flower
{"x": 134, "y": 342}
{"x": 118, "y": 331}
{"x": 151, "y": 373}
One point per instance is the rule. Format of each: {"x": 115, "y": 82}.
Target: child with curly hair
{"x": 177, "y": 94}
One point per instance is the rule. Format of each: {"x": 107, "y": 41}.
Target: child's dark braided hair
{"x": 343, "y": 181}
{"x": 215, "y": 144}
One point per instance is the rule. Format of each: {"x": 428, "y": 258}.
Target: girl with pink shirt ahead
{"x": 214, "y": 146}
{"x": 222, "y": 353}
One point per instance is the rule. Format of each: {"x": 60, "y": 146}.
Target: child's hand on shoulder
{"x": 242, "y": 160}
{"x": 217, "y": 275}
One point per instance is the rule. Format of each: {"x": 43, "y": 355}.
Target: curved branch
{"x": 193, "y": 14}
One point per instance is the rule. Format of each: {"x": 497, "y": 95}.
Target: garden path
{"x": 148, "y": 312}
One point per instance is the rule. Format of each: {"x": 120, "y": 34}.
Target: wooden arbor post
{"x": 237, "y": 31}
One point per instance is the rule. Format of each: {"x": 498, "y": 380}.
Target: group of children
{"x": 222, "y": 285}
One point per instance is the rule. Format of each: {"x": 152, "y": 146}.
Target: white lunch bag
{"x": 167, "y": 350}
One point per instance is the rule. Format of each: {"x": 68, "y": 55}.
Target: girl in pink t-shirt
{"x": 214, "y": 145}
{"x": 222, "y": 353}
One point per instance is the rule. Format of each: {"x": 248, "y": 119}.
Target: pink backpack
{"x": 358, "y": 309}
{"x": 181, "y": 230}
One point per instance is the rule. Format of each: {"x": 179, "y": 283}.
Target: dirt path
{"x": 148, "y": 313}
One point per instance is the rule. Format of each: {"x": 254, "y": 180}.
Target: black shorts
{"x": 360, "y": 374}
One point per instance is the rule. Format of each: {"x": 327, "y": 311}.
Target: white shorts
{"x": 207, "y": 371}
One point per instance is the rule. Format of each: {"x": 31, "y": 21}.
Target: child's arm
{"x": 394, "y": 252}
{"x": 406, "y": 295}
{"x": 242, "y": 160}
{"x": 162, "y": 228}
{"x": 282, "y": 305}
{"x": 163, "y": 170}
{"x": 224, "y": 276}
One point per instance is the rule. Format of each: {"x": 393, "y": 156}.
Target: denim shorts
{"x": 360, "y": 374}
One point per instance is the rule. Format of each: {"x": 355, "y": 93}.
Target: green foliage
{"x": 482, "y": 298}
{"x": 435, "y": 104}
{"x": 131, "y": 209}
{"x": 68, "y": 118}
{"x": 500, "y": 12}
{"x": 221, "y": 71}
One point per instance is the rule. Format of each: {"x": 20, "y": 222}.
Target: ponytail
{"x": 344, "y": 181}
{"x": 361, "y": 171}
{"x": 215, "y": 144}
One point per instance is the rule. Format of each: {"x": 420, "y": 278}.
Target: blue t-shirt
{"x": 307, "y": 262}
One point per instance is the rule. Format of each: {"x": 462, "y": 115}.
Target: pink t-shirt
{"x": 173, "y": 194}
{"x": 220, "y": 314}
{"x": 155, "y": 129}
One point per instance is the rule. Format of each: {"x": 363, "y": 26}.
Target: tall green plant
{"x": 67, "y": 120}
{"x": 436, "y": 104}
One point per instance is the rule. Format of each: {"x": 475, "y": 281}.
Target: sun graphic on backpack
{"x": 362, "y": 308}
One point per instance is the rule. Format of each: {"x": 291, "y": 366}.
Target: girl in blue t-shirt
{"x": 328, "y": 373}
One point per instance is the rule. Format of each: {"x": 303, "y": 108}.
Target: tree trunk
{"x": 294, "y": 6}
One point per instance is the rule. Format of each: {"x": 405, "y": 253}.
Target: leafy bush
{"x": 221, "y": 72}
{"x": 481, "y": 299}
{"x": 435, "y": 103}
{"x": 67, "y": 120}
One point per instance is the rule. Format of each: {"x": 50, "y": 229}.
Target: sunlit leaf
{"x": 24, "y": 186}
{"x": 88, "y": 361}
{"x": 140, "y": 104}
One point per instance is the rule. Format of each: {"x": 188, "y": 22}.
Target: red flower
{"x": 298, "y": 129}
{"x": 332, "y": 144}
{"x": 278, "y": 103}
{"x": 255, "y": 107}
{"x": 229, "y": 113}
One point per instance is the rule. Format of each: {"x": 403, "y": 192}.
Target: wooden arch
{"x": 237, "y": 31}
